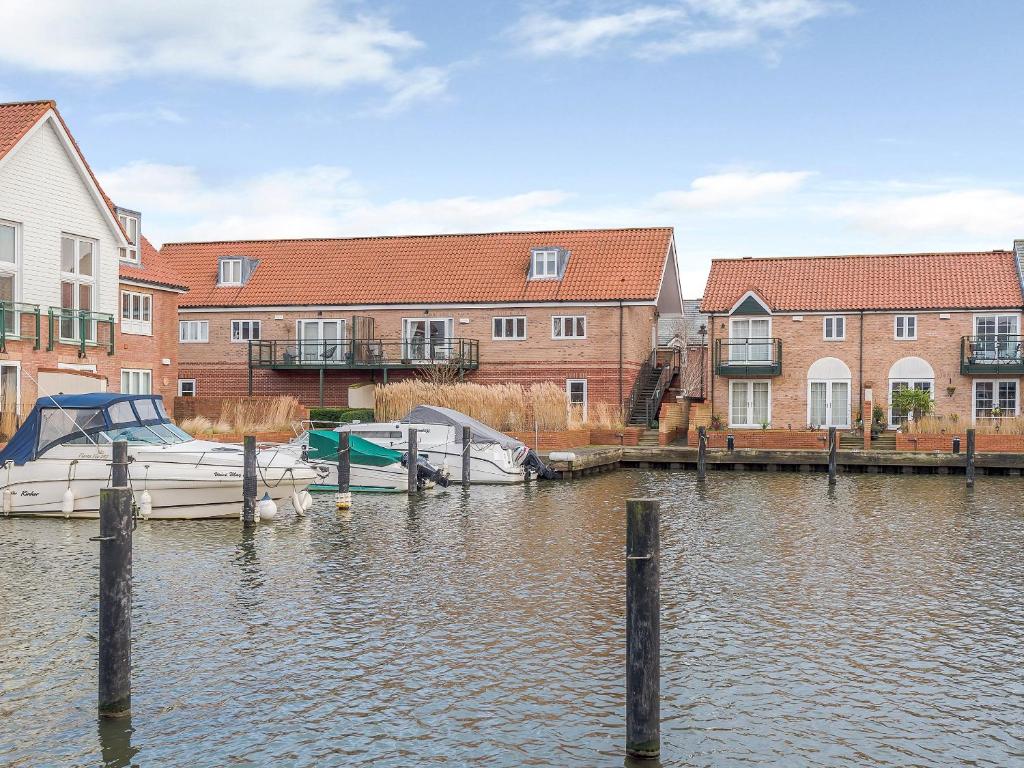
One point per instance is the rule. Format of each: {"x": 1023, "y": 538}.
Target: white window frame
{"x": 229, "y": 263}
{"x": 252, "y": 324}
{"x": 16, "y": 364}
{"x": 142, "y": 374}
{"x": 559, "y": 321}
{"x": 540, "y": 264}
{"x": 78, "y": 280}
{"x": 829, "y": 404}
{"x": 995, "y": 397}
{"x": 896, "y": 328}
{"x": 13, "y": 270}
{"x": 409, "y": 346}
{"x": 741, "y": 353}
{"x": 497, "y": 322}
{"x": 131, "y": 253}
{"x": 586, "y": 394}
{"x": 824, "y": 327}
{"x": 911, "y": 384}
{"x": 143, "y": 326}
{"x": 200, "y": 325}
{"x": 187, "y": 381}
{"x": 750, "y": 405}
{"x": 312, "y": 350}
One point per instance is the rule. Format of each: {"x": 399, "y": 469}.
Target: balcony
{"x": 365, "y": 355}
{"x": 80, "y": 328}
{"x": 991, "y": 355}
{"x": 748, "y": 358}
{"x": 19, "y": 322}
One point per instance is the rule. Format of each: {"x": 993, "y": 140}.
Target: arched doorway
{"x": 905, "y": 373}
{"x": 828, "y": 393}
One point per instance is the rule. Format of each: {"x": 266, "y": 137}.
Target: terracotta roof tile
{"x": 967, "y": 280}
{"x": 152, "y": 268}
{"x": 603, "y": 265}
{"x": 17, "y": 118}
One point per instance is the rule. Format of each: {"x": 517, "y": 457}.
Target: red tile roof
{"x": 17, "y": 119}
{"x": 152, "y": 269}
{"x": 604, "y": 265}
{"x": 975, "y": 280}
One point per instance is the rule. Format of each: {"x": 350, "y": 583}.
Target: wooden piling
{"x": 833, "y": 447}
{"x": 643, "y": 630}
{"x": 702, "y": 452}
{"x": 970, "y": 458}
{"x": 344, "y": 498}
{"x": 249, "y": 482}
{"x": 467, "y": 442}
{"x": 119, "y": 465}
{"x": 115, "y": 628}
{"x": 413, "y": 460}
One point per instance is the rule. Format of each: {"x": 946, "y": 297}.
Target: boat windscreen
{"x": 146, "y": 410}
{"x": 58, "y": 425}
{"x": 122, "y": 413}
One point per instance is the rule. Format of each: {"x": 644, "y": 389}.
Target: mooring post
{"x": 115, "y": 633}
{"x": 833, "y": 446}
{"x": 702, "y": 452}
{"x": 344, "y": 499}
{"x": 970, "y": 458}
{"x": 119, "y": 465}
{"x": 413, "y": 460}
{"x": 249, "y": 482}
{"x": 643, "y": 629}
{"x": 467, "y": 442}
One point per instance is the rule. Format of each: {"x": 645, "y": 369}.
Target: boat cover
{"x": 60, "y": 419}
{"x": 480, "y": 433}
{"x": 323, "y": 445}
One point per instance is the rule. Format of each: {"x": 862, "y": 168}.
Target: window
{"x": 230, "y": 272}
{"x": 835, "y": 328}
{"x": 576, "y": 391}
{"x": 137, "y": 313}
{"x": 569, "y": 327}
{"x": 898, "y": 417}
{"x": 545, "y": 264}
{"x": 78, "y": 258}
{"x": 749, "y": 403}
{"x": 906, "y": 327}
{"x": 186, "y": 387}
{"x": 996, "y": 339}
{"x": 509, "y": 328}
{"x": 992, "y": 395}
{"x": 750, "y": 340}
{"x": 130, "y": 224}
{"x": 136, "y": 382}
{"x": 10, "y": 246}
{"x": 193, "y": 331}
{"x": 323, "y": 341}
{"x": 245, "y": 330}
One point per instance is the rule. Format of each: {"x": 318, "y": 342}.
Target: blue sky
{"x": 754, "y": 127}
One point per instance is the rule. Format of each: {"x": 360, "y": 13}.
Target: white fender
{"x": 8, "y": 501}
{"x": 145, "y": 505}
{"x": 297, "y": 503}
{"x": 67, "y": 503}
{"x": 266, "y": 509}
{"x": 561, "y": 456}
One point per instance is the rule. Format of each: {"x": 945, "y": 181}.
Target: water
{"x": 880, "y": 625}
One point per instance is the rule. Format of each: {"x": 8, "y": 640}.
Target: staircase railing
{"x": 654, "y": 401}
{"x": 638, "y": 385}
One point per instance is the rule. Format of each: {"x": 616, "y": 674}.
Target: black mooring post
{"x": 344, "y": 497}
{"x": 730, "y": 442}
{"x": 413, "y": 461}
{"x": 115, "y": 635}
{"x": 832, "y": 448}
{"x": 249, "y": 482}
{"x": 643, "y": 629}
{"x": 702, "y": 452}
{"x": 467, "y": 441}
{"x": 119, "y": 465}
{"x": 970, "y": 458}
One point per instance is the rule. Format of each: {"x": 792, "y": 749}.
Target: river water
{"x": 879, "y": 625}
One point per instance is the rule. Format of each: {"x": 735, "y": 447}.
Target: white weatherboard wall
{"x": 42, "y": 190}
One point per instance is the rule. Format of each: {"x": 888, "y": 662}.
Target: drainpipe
{"x": 711, "y": 358}
{"x": 622, "y": 400}
{"x": 865, "y": 418}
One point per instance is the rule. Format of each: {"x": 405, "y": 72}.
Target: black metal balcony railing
{"x": 82, "y": 328}
{"x": 748, "y": 357}
{"x": 369, "y": 354}
{"x": 993, "y": 353}
{"x": 19, "y": 322}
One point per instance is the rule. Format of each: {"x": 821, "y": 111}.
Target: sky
{"x": 753, "y": 127}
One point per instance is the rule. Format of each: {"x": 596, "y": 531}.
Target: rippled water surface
{"x": 882, "y": 625}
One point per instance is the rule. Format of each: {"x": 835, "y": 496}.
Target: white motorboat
{"x": 57, "y": 462}
{"x": 494, "y": 456}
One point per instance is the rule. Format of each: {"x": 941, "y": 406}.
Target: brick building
{"x": 799, "y": 342}
{"x": 86, "y": 302}
{"x": 315, "y": 317}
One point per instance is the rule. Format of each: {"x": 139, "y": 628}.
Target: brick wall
{"x": 554, "y": 441}
{"x": 768, "y": 439}
{"x": 629, "y": 436}
{"x": 944, "y": 443}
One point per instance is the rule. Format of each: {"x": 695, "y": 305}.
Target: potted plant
{"x": 716, "y": 422}
{"x": 877, "y": 421}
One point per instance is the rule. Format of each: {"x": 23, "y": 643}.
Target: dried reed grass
{"x": 197, "y": 425}
{"x": 265, "y": 414}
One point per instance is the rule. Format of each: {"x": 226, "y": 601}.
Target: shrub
{"x": 916, "y": 401}
{"x": 326, "y": 417}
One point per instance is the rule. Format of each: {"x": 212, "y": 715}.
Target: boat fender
{"x": 307, "y": 500}
{"x": 145, "y": 505}
{"x": 8, "y": 501}
{"x": 266, "y": 509}
{"x": 67, "y": 503}
{"x": 343, "y": 500}
{"x": 297, "y": 503}
{"x": 561, "y": 456}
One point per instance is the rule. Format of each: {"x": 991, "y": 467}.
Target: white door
{"x": 828, "y": 404}
{"x": 749, "y": 403}
{"x": 427, "y": 339}
{"x": 897, "y": 417}
{"x": 319, "y": 340}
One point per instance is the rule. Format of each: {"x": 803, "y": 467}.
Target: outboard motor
{"x": 532, "y": 463}
{"x": 426, "y": 471}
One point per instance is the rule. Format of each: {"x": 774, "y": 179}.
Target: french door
{"x": 319, "y": 340}
{"x": 750, "y": 342}
{"x": 828, "y": 403}
{"x": 426, "y": 339}
{"x": 996, "y": 338}
{"x": 898, "y": 417}
{"x": 749, "y": 403}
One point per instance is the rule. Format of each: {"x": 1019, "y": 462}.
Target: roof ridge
{"x": 730, "y": 259}
{"x": 419, "y": 236}
{"x": 51, "y": 102}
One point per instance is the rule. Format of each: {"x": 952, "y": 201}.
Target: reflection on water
{"x": 878, "y": 624}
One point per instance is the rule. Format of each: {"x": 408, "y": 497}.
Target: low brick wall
{"x": 944, "y": 443}
{"x": 768, "y": 439}
{"x": 630, "y": 436}
{"x": 554, "y": 441}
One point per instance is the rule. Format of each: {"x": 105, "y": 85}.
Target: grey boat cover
{"x": 480, "y": 433}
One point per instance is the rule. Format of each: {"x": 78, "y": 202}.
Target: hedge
{"x": 331, "y": 416}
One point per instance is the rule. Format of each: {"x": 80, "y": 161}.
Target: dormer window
{"x": 230, "y": 272}
{"x": 548, "y": 263}
{"x": 131, "y": 223}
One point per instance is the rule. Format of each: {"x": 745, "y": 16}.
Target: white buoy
{"x": 307, "y": 500}
{"x": 67, "y": 503}
{"x": 8, "y": 501}
{"x": 297, "y": 503}
{"x": 145, "y": 505}
{"x": 266, "y": 509}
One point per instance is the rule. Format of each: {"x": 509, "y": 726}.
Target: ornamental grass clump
{"x": 260, "y": 414}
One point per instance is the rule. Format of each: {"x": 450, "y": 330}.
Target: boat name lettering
{"x": 30, "y": 493}
{"x": 227, "y": 474}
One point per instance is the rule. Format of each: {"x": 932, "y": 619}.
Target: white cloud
{"x": 285, "y": 43}
{"x": 672, "y": 28}
{"x": 733, "y": 188}
{"x": 145, "y": 116}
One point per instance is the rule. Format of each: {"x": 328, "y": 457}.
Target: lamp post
{"x": 703, "y": 331}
